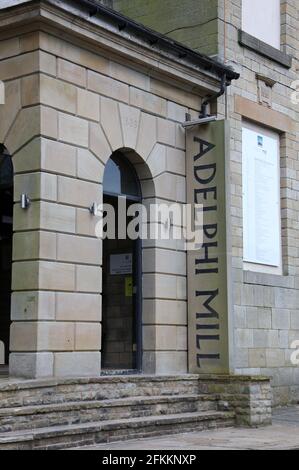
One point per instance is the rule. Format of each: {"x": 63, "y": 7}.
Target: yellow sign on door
{"x": 128, "y": 286}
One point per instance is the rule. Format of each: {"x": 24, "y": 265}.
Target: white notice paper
{"x": 121, "y": 264}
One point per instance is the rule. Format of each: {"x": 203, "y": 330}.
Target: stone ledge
{"x": 264, "y": 49}
{"x": 11, "y": 384}
{"x": 16, "y": 384}
{"x": 263, "y": 116}
{"x": 265, "y": 279}
{"x": 233, "y": 378}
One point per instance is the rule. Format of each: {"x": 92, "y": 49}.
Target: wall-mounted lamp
{"x": 93, "y": 209}
{"x": 25, "y": 201}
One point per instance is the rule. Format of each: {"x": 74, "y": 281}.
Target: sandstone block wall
{"x": 67, "y": 109}
{"x": 266, "y": 307}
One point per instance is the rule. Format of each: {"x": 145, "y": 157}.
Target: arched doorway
{"x": 122, "y": 274}
{"x": 6, "y": 232}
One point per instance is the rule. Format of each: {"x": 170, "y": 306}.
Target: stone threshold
{"x": 114, "y": 372}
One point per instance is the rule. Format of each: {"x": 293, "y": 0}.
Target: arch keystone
{"x": 130, "y": 118}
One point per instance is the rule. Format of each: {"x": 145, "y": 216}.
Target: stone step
{"x": 38, "y": 416}
{"x": 3, "y": 371}
{"x": 47, "y": 391}
{"x": 75, "y": 435}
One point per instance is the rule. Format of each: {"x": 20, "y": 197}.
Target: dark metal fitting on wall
{"x": 93, "y": 209}
{"x": 25, "y": 201}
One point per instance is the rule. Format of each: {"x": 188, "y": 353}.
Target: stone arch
{"x": 122, "y": 127}
{"x": 145, "y": 177}
{"x": 160, "y": 171}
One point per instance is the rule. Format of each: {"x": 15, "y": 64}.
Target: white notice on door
{"x": 121, "y": 264}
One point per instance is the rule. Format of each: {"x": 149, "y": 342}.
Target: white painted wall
{"x": 261, "y": 19}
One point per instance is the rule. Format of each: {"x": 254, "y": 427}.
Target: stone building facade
{"x": 78, "y": 88}
{"x": 81, "y": 85}
{"x": 265, "y": 321}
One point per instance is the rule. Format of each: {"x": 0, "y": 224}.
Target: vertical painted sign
{"x": 208, "y": 265}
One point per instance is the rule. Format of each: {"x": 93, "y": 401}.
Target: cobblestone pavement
{"x": 282, "y": 435}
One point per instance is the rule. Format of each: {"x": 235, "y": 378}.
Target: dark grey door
{"x": 6, "y": 220}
